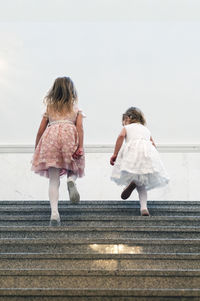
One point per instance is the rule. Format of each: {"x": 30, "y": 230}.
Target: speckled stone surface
{"x": 101, "y": 208}
{"x": 100, "y": 261}
{"x": 106, "y": 221}
{"x": 104, "y": 298}
{"x": 101, "y": 232}
{"x": 100, "y": 294}
{"x": 128, "y": 279}
{"x": 102, "y": 251}
{"x": 131, "y": 246}
{"x": 101, "y": 203}
{"x": 120, "y": 211}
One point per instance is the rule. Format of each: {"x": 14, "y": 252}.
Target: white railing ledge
{"x": 105, "y": 148}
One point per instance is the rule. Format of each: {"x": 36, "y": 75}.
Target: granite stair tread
{"x": 101, "y": 292}
{"x": 120, "y": 211}
{"x": 164, "y": 256}
{"x": 143, "y": 279}
{"x": 100, "y": 261}
{"x": 100, "y": 228}
{"x": 106, "y": 241}
{"x": 96, "y": 221}
{"x": 104, "y": 250}
{"x": 100, "y": 241}
{"x": 100, "y": 232}
{"x": 105, "y": 218}
{"x": 97, "y": 203}
{"x": 86, "y": 272}
{"x": 144, "y": 246}
{"x": 88, "y": 208}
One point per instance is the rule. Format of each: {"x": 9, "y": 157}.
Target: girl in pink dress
{"x": 59, "y": 143}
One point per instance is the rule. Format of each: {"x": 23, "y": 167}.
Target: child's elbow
{"x": 121, "y": 136}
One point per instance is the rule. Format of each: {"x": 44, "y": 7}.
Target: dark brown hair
{"x": 135, "y": 115}
{"x": 124, "y": 116}
{"x": 62, "y": 96}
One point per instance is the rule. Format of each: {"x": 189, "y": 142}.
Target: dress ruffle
{"x": 139, "y": 161}
{"x": 56, "y": 148}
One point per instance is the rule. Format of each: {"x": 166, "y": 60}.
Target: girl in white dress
{"x": 137, "y": 164}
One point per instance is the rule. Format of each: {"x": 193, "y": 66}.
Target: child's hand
{"x": 78, "y": 153}
{"x": 112, "y": 159}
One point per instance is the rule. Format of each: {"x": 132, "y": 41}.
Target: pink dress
{"x": 57, "y": 146}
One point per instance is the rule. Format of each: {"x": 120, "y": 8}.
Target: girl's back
{"x": 137, "y": 160}
{"x": 135, "y": 131}
{"x": 59, "y": 143}
{"x": 137, "y": 164}
{"x": 64, "y": 115}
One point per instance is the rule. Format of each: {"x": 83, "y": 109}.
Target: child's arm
{"x": 79, "y": 126}
{"x": 151, "y": 139}
{"x": 41, "y": 130}
{"x": 118, "y": 145}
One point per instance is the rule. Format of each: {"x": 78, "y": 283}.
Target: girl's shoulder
{"x": 137, "y": 127}
{"x": 134, "y": 125}
{"x": 78, "y": 110}
{"x": 73, "y": 113}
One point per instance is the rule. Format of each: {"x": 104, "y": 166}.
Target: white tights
{"x": 54, "y": 184}
{"x": 142, "y": 197}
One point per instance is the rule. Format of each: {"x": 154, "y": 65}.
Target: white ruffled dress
{"x": 138, "y": 160}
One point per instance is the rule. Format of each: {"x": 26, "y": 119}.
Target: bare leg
{"x": 54, "y": 183}
{"x": 143, "y": 200}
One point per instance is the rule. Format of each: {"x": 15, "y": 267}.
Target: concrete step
{"x": 85, "y": 211}
{"x": 118, "y": 279}
{"x": 104, "y": 250}
{"x": 100, "y": 232}
{"x": 63, "y": 203}
{"x": 102, "y": 246}
{"x": 100, "y": 261}
{"x": 46, "y": 294}
{"x": 97, "y": 279}
{"x": 96, "y": 221}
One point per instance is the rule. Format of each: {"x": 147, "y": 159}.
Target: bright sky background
{"x": 119, "y": 53}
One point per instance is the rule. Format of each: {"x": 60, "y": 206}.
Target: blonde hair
{"x": 135, "y": 115}
{"x": 62, "y": 96}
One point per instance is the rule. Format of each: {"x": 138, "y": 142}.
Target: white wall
{"x": 19, "y": 183}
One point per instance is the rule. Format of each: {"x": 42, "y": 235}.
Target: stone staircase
{"x": 103, "y": 251}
